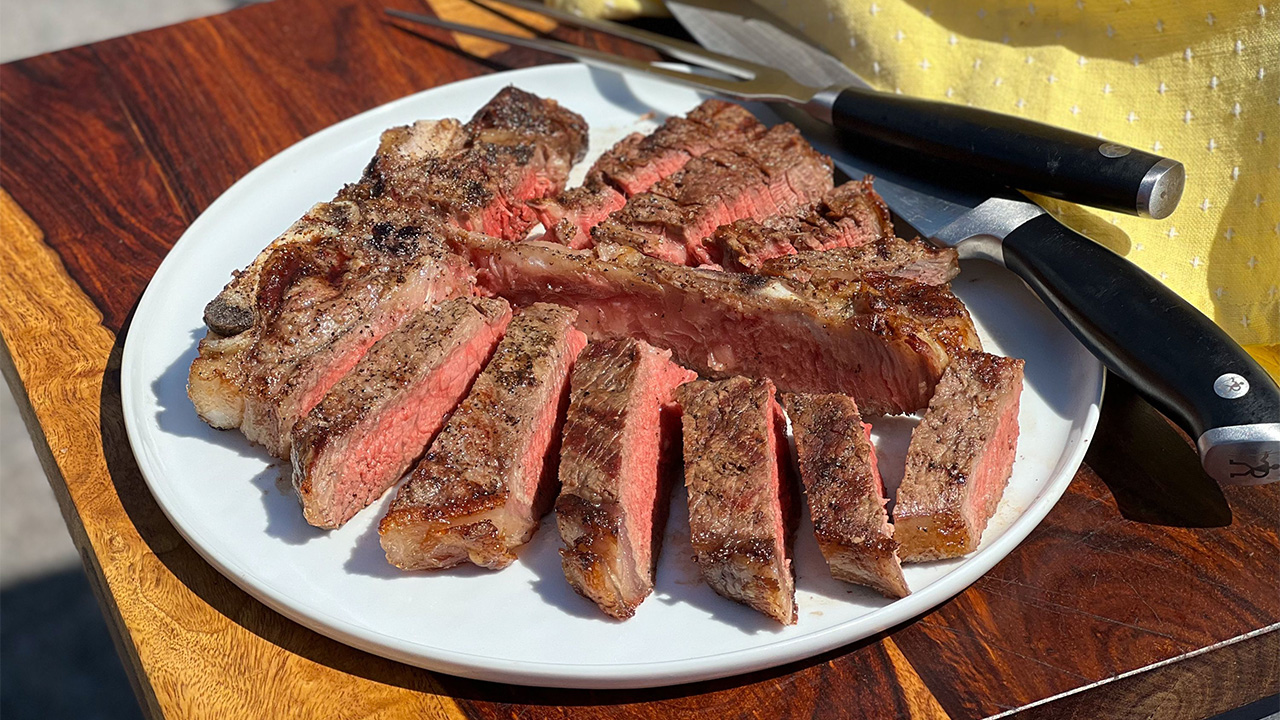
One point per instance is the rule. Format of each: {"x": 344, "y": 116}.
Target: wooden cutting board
{"x": 1122, "y": 604}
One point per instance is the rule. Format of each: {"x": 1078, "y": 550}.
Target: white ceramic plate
{"x": 525, "y": 625}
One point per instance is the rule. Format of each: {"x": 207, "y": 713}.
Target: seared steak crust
{"x": 301, "y": 316}
{"x": 913, "y": 260}
{"x": 774, "y": 173}
{"x": 490, "y": 475}
{"x": 320, "y": 303}
{"x": 375, "y": 422}
{"x": 638, "y": 161}
{"x": 848, "y": 216}
{"x": 883, "y": 340}
{"x": 742, "y": 509}
{"x": 845, "y": 494}
{"x": 614, "y": 470}
{"x": 960, "y": 458}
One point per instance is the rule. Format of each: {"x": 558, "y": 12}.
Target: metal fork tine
{"x": 746, "y": 89}
{"x": 679, "y": 49}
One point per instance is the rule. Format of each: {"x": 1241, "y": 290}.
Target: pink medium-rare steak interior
{"x": 615, "y": 470}
{"x": 960, "y": 458}
{"x": 772, "y": 174}
{"x": 846, "y": 496}
{"x": 376, "y": 421}
{"x": 636, "y": 163}
{"x": 913, "y": 260}
{"x": 850, "y": 215}
{"x": 742, "y": 511}
{"x": 884, "y": 342}
{"x": 490, "y": 475}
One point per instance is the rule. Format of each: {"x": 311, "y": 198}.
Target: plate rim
{"x": 544, "y": 674}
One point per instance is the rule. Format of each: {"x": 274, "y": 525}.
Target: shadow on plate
{"x": 284, "y": 515}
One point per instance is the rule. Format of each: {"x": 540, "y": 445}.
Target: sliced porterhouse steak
{"x": 884, "y": 341}
{"x": 289, "y": 326}
{"x": 490, "y": 475}
{"x": 849, "y": 216}
{"x": 372, "y": 426}
{"x": 320, "y": 305}
{"x": 742, "y": 504}
{"x": 913, "y": 260}
{"x": 637, "y": 162}
{"x": 772, "y": 174}
{"x": 615, "y": 470}
{"x": 960, "y": 458}
{"x": 845, "y": 493}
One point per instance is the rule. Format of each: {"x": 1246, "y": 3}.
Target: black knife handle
{"x": 1183, "y": 363}
{"x": 1020, "y": 153}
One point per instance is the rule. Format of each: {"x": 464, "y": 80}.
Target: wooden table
{"x": 1115, "y": 606}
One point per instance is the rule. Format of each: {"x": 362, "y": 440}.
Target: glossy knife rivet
{"x": 1113, "y": 150}
{"x": 1230, "y": 386}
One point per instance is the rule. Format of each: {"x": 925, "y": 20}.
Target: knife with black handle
{"x": 1178, "y": 359}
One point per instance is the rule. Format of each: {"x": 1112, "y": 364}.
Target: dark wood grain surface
{"x": 1122, "y": 599}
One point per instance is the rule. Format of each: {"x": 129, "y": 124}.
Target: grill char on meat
{"x": 775, "y": 173}
{"x": 301, "y": 316}
{"x": 376, "y": 421}
{"x": 848, "y": 216}
{"x": 845, "y": 493}
{"x": 883, "y": 340}
{"x": 615, "y": 470}
{"x": 960, "y": 458}
{"x": 490, "y": 475}
{"x": 638, "y": 161}
{"x": 742, "y": 505}
{"x": 913, "y": 260}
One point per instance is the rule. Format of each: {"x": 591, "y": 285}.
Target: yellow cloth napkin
{"x": 1195, "y": 80}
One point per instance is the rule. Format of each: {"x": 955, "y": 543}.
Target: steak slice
{"x": 845, "y": 493}
{"x": 885, "y": 341}
{"x": 913, "y": 260}
{"x": 960, "y": 458}
{"x": 638, "y": 161}
{"x": 742, "y": 509}
{"x": 490, "y": 475}
{"x": 377, "y": 420}
{"x": 774, "y": 173}
{"x": 850, "y": 215}
{"x": 516, "y": 148}
{"x": 615, "y": 485}
{"x": 319, "y": 305}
